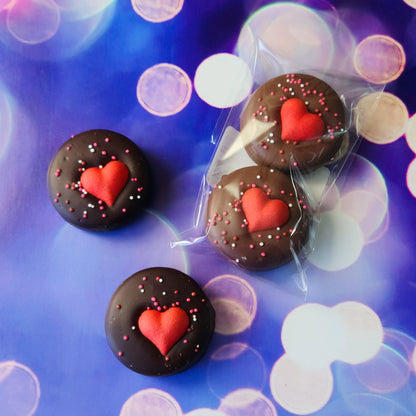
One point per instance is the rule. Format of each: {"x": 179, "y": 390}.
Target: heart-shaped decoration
{"x": 263, "y": 213}
{"x": 105, "y": 183}
{"x": 298, "y": 123}
{"x": 165, "y": 328}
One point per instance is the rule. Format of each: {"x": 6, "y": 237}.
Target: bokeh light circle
{"x": 323, "y": 194}
{"x": 362, "y": 332}
{"x": 298, "y": 390}
{"x": 381, "y": 117}
{"x": 81, "y": 10}
{"x": 205, "y": 412}
{"x": 19, "y": 389}
{"x": 150, "y": 402}
{"x": 245, "y": 402}
{"x": 295, "y": 35}
{"x": 379, "y": 59}
{"x": 338, "y": 243}
{"x": 411, "y": 3}
{"x": 307, "y": 335}
{"x": 223, "y": 80}
{"x": 164, "y": 89}
{"x": 5, "y": 3}
{"x": 411, "y": 133}
{"x": 157, "y": 11}
{"x": 387, "y": 372}
{"x": 411, "y": 177}
{"x": 234, "y": 302}
{"x": 33, "y": 21}
{"x": 235, "y": 366}
{"x": 365, "y": 198}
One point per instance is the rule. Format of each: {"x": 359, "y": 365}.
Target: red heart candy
{"x": 165, "y": 328}
{"x": 261, "y": 212}
{"x": 105, "y": 183}
{"x": 298, "y": 123}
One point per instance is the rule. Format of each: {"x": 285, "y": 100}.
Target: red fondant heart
{"x": 298, "y": 123}
{"x": 105, "y": 183}
{"x": 261, "y": 212}
{"x": 165, "y": 328}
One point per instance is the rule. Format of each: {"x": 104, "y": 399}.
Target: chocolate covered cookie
{"x": 293, "y": 120}
{"x": 159, "y": 322}
{"x": 99, "y": 180}
{"x": 258, "y": 217}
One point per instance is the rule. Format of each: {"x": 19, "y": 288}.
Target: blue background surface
{"x": 56, "y": 281}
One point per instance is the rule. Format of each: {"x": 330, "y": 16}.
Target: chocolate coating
{"x": 162, "y": 288}
{"x": 228, "y": 227}
{"x": 261, "y": 123}
{"x": 93, "y": 149}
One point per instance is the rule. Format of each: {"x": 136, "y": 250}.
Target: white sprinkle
{"x": 261, "y": 244}
{"x": 131, "y": 197}
{"x": 269, "y": 236}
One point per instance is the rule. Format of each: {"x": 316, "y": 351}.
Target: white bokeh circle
{"x": 381, "y": 117}
{"x": 149, "y": 402}
{"x": 157, "y": 11}
{"x": 362, "y": 333}
{"x": 339, "y": 242}
{"x": 19, "y": 389}
{"x": 234, "y": 302}
{"x": 223, "y": 80}
{"x": 33, "y": 21}
{"x": 164, "y": 89}
{"x": 298, "y": 390}
{"x": 379, "y": 59}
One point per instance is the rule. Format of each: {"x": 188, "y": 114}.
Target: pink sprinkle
{"x": 263, "y": 254}
{"x": 144, "y": 278}
{"x": 103, "y": 152}
{"x": 185, "y": 341}
{"x": 123, "y": 210}
{"x": 125, "y": 337}
{"x": 95, "y": 144}
{"x": 152, "y": 298}
{"x": 107, "y": 139}
{"x": 251, "y": 246}
{"x": 104, "y": 215}
{"x": 113, "y": 157}
{"x": 127, "y": 151}
{"x": 120, "y": 354}
{"x": 68, "y": 148}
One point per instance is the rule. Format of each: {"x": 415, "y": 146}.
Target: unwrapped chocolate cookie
{"x": 159, "y": 322}
{"x": 99, "y": 180}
